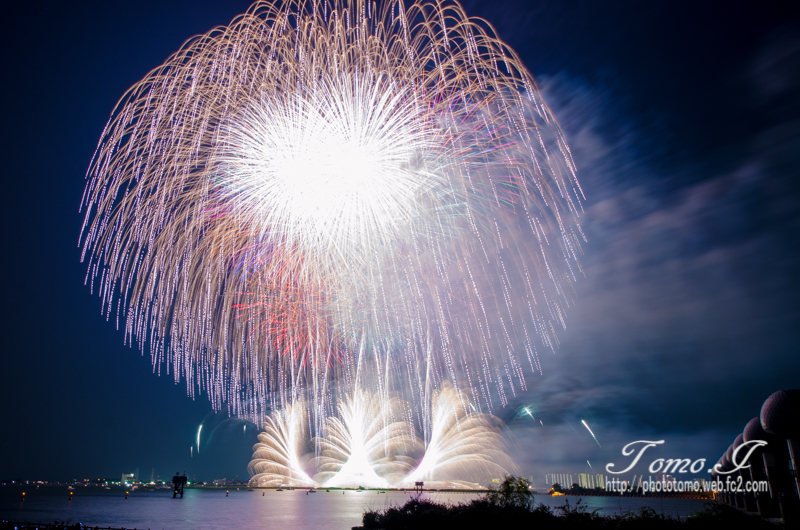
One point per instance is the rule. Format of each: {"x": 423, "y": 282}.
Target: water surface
{"x": 259, "y": 509}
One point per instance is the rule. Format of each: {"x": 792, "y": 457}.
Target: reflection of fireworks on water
{"x": 329, "y": 198}
{"x": 367, "y": 447}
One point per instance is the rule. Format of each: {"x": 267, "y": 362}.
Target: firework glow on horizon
{"x": 330, "y": 216}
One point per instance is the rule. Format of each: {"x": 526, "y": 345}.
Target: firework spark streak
{"x": 590, "y": 432}
{"x": 331, "y": 197}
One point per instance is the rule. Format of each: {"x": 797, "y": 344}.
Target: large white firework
{"x": 330, "y": 196}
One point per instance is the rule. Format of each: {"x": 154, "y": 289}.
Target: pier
{"x": 178, "y": 483}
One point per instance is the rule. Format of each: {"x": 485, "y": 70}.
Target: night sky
{"x": 684, "y": 120}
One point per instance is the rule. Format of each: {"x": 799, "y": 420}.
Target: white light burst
{"x": 338, "y": 167}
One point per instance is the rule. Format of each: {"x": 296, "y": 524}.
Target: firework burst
{"x": 327, "y": 198}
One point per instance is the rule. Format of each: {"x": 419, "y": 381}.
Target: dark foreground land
{"x": 423, "y": 515}
{"x": 512, "y": 506}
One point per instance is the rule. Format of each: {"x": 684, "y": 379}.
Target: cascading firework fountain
{"x": 367, "y": 446}
{"x": 326, "y": 200}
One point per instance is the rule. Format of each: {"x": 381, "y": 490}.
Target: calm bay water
{"x": 211, "y": 509}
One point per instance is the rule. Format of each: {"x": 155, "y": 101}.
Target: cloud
{"x": 687, "y": 318}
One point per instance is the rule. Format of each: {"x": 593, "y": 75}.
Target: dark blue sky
{"x": 685, "y": 123}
